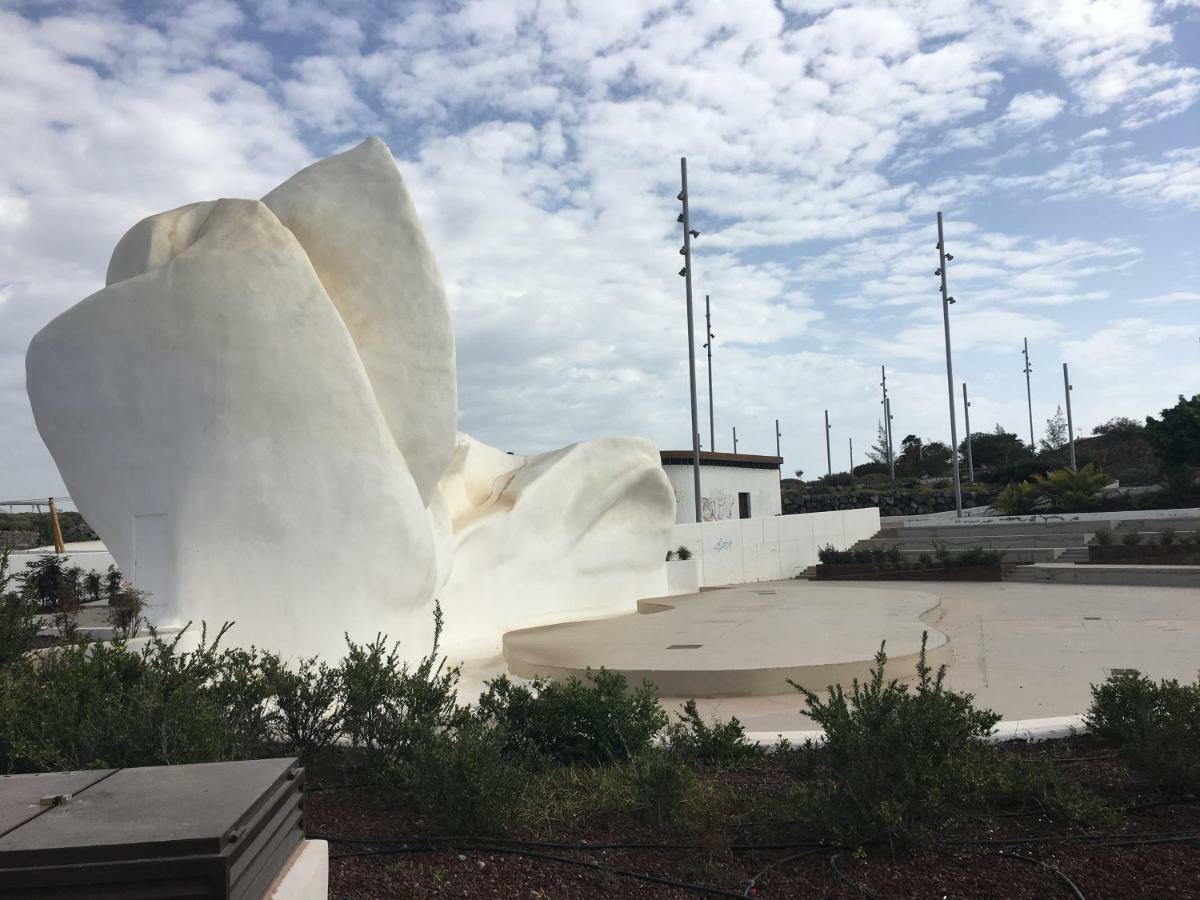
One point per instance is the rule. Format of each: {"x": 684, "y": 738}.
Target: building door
{"x": 743, "y": 505}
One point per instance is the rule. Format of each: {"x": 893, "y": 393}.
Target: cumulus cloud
{"x": 541, "y": 141}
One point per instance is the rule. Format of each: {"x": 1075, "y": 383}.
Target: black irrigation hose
{"x": 779, "y": 862}
{"x": 548, "y": 857}
{"x": 1173, "y": 801}
{"x": 1055, "y": 869}
{"x": 1100, "y": 840}
{"x": 451, "y": 840}
{"x": 846, "y": 878}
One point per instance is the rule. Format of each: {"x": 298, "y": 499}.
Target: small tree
{"x": 1175, "y": 437}
{"x": 1056, "y": 432}
{"x": 878, "y": 452}
{"x": 113, "y": 581}
{"x": 1070, "y": 491}
{"x": 125, "y": 611}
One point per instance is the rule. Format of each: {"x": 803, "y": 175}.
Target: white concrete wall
{"x": 719, "y": 489}
{"x": 96, "y": 559}
{"x": 767, "y": 549}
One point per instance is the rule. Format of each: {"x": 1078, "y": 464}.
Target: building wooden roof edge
{"x": 676, "y": 456}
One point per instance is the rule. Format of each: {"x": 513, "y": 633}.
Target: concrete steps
{"x": 1143, "y": 576}
{"x": 1073, "y": 555}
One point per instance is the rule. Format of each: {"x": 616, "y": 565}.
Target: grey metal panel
{"x": 20, "y": 794}
{"x": 150, "y": 811}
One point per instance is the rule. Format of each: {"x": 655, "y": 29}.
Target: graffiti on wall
{"x": 720, "y": 506}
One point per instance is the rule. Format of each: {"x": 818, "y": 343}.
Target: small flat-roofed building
{"x": 732, "y": 485}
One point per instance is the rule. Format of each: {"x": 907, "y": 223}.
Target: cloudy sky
{"x": 541, "y": 142}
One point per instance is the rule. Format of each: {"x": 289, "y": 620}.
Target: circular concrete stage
{"x": 739, "y": 642}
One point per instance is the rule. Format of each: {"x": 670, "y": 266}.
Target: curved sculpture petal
{"x": 212, "y": 419}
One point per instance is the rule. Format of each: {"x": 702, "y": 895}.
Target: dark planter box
{"x": 1145, "y": 554}
{"x": 869, "y": 572}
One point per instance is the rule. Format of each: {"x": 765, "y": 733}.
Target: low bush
{"x": 1156, "y": 726}
{"x": 1016, "y": 498}
{"x": 1166, "y": 537}
{"x": 389, "y": 707}
{"x": 718, "y": 743}
{"x": 464, "y": 780}
{"x": 1131, "y": 538}
{"x": 597, "y": 721}
{"x": 1103, "y": 537}
{"x": 309, "y": 708}
{"x": 896, "y": 760}
{"x": 1071, "y": 490}
{"x": 18, "y": 617}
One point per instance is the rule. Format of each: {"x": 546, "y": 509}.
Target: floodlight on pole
{"x": 1029, "y": 397}
{"x": 1067, "y": 388}
{"x": 967, "y": 425}
{"x": 943, "y": 258}
{"x": 828, "y": 456}
{"x": 686, "y": 272}
{"x": 712, "y": 428}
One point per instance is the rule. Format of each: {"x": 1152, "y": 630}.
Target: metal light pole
{"x": 967, "y": 423}
{"x": 828, "y": 457}
{"x": 943, "y": 258}
{"x": 712, "y": 432}
{"x": 887, "y": 412}
{"x": 1029, "y": 397}
{"x": 1068, "y": 387}
{"x": 887, "y": 424}
{"x": 851, "y": 457}
{"x": 778, "y": 451}
{"x": 735, "y": 439}
{"x": 686, "y": 272}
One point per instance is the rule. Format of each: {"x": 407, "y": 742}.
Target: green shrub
{"x": 1131, "y": 538}
{"x": 1016, "y": 498}
{"x": 898, "y": 759}
{"x": 388, "y": 707}
{"x": 662, "y": 785}
{"x": 721, "y": 743}
{"x": 464, "y": 780}
{"x": 683, "y": 552}
{"x": 47, "y": 581}
{"x": 1166, "y": 537}
{"x": 93, "y": 584}
{"x": 1103, "y": 537}
{"x": 125, "y": 611}
{"x": 18, "y": 617}
{"x": 308, "y": 705}
{"x": 1157, "y": 726}
{"x": 895, "y": 557}
{"x": 594, "y": 722}
{"x": 925, "y": 560}
{"x": 978, "y": 556}
{"x": 941, "y": 552}
{"x": 97, "y": 705}
{"x": 113, "y": 582}
{"x": 1071, "y": 491}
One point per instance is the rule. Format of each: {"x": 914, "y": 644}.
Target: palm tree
{"x": 1070, "y": 491}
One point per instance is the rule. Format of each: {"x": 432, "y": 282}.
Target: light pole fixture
{"x": 1029, "y": 397}
{"x": 967, "y": 424}
{"x": 943, "y": 259}
{"x": 686, "y": 272}
{"x": 1068, "y": 387}
{"x": 887, "y": 425}
{"x": 712, "y": 431}
{"x": 828, "y": 457}
{"x": 735, "y": 439}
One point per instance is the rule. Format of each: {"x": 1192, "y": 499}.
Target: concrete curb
{"x": 1016, "y": 730}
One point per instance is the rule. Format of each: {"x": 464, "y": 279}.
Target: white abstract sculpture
{"x": 258, "y": 416}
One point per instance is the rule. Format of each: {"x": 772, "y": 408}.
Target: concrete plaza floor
{"x": 1027, "y": 651}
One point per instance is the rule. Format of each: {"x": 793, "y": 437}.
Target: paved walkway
{"x": 1026, "y": 650}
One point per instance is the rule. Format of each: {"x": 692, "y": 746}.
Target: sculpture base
{"x": 740, "y": 642}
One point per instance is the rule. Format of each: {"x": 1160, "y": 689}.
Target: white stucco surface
{"x": 741, "y": 551}
{"x": 258, "y": 416}
{"x": 719, "y": 489}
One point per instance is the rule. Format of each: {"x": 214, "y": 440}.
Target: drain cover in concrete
{"x": 685, "y": 646}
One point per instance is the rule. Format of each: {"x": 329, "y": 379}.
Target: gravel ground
{"x": 1015, "y": 856}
